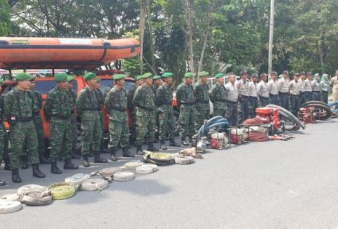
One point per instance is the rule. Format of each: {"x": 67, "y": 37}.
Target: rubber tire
{"x": 326, "y": 108}
{"x": 35, "y": 198}
{"x": 187, "y": 160}
{"x": 132, "y": 165}
{"x": 146, "y": 169}
{"x": 30, "y": 188}
{"x": 11, "y": 197}
{"x": 314, "y": 101}
{"x": 61, "y": 191}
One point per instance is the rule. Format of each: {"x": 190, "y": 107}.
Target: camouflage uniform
{"x": 19, "y": 108}
{"x": 202, "y": 104}
{"x": 186, "y": 101}
{"x": 217, "y": 97}
{"x": 88, "y": 106}
{"x": 59, "y": 111}
{"x": 116, "y": 105}
{"x": 74, "y": 123}
{"x": 3, "y": 135}
{"x": 132, "y": 111}
{"x": 144, "y": 100}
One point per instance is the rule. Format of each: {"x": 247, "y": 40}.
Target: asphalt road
{"x": 274, "y": 184}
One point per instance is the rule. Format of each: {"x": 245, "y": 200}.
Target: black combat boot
{"x": 99, "y": 159}
{"x": 151, "y": 147}
{"x": 69, "y": 165}
{"x": 173, "y": 143}
{"x": 184, "y": 142}
{"x": 43, "y": 159}
{"x": 36, "y": 171}
{"x": 54, "y": 168}
{"x": 139, "y": 150}
{"x": 113, "y": 155}
{"x": 127, "y": 153}
{"x": 162, "y": 145}
{"x": 2, "y": 183}
{"x": 15, "y": 176}
{"x": 7, "y": 163}
{"x": 86, "y": 161}
{"x": 24, "y": 162}
{"x": 76, "y": 156}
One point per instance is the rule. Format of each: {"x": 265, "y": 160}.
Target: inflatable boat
{"x": 69, "y": 53}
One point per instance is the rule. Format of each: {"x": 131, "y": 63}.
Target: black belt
{"x": 273, "y": 95}
{"x": 245, "y": 96}
{"x": 145, "y": 108}
{"x": 293, "y": 95}
{"x": 59, "y": 116}
{"x": 220, "y": 100}
{"x": 91, "y": 109}
{"x": 24, "y": 119}
{"x": 203, "y": 102}
{"x": 283, "y": 93}
{"x": 231, "y": 102}
{"x": 262, "y": 97}
{"x": 119, "y": 109}
{"x": 253, "y": 97}
{"x": 184, "y": 103}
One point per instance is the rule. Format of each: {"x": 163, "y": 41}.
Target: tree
{"x": 4, "y": 18}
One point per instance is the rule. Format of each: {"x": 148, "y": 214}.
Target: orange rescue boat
{"x": 57, "y": 53}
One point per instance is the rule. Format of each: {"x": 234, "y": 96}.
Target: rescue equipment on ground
{"x": 146, "y": 169}
{"x": 61, "y": 191}
{"x": 158, "y": 158}
{"x": 94, "y": 185}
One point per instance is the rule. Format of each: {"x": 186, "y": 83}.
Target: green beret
{"x": 22, "y": 76}
{"x": 89, "y": 76}
{"x": 219, "y": 75}
{"x": 204, "y": 73}
{"x": 167, "y": 74}
{"x": 60, "y": 77}
{"x": 138, "y": 77}
{"x": 188, "y": 75}
{"x": 147, "y": 75}
{"x": 156, "y": 77}
{"x": 118, "y": 76}
{"x": 32, "y": 78}
{"x": 70, "y": 78}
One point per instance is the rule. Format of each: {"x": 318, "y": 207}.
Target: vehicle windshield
{"x": 106, "y": 85}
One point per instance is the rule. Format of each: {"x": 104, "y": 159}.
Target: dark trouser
{"x": 274, "y": 99}
{"x": 253, "y": 104}
{"x": 325, "y": 96}
{"x": 263, "y": 101}
{"x": 243, "y": 109}
{"x": 302, "y": 98}
{"x": 294, "y": 99}
{"x": 284, "y": 100}
{"x": 316, "y": 95}
{"x": 232, "y": 113}
{"x": 309, "y": 96}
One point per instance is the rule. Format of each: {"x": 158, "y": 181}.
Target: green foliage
{"x": 4, "y": 18}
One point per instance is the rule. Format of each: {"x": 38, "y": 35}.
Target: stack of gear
{"x": 191, "y": 152}
{"x": 269, "y": 116}
{"x": 238, "y": 136}
{"x": 218, "y": 123}
{"x": 258, "y": 134}
{"x": 184, "y": 160}
{"x": 306, "y": 114}
{"x": 61, "y": 191}
{"x": 158, "y": 158}
{"x": 218, "y": 140}
{"x": 37, "y": 198}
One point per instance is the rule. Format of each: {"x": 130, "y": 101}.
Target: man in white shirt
{"x": 262, "y": 90}
{"x": 231, "y": 98}
{"x": 273, "y": 89}
{"x": 294, "y": 87}
{"x": 253, "y": 98}
{"x": 283, "y": 88}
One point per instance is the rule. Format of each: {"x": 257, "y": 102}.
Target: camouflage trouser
{"x": 253, "y": 104}
{"x": 91, "y": 134}
{"x": 118, "y": 132}
{"x": 21, "y": 133}
{"x": 187, "y": 120}
{"x": 231, "y": 114}
{"x": 61, "y": 138}
{"x": 243, "y": 109}
{"x": 41, "y": 136}
{"x": 202, "y": 113}
{"x": 74, "y": 134}
{"x": 219, "y": 112}
{"x": 133, "y": 127}
{"x": 145, "y": 126}
{"x": 167, "y": 125}
{"x": 2, "y": 141}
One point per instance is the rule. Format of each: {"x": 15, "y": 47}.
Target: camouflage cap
{"x": 188, "y": 75}
{"x": 219, "y": 75}
{"x": 167, "y": 75}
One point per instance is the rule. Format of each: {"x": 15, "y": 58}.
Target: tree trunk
{"x": 150, "y": 27}
{"x": 143, "y": 8}
{"x": 190, "y": 35}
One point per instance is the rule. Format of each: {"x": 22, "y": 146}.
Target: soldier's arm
{"x": 159, "y": 96}
{"x": 212, "y": 94}
{"x": 8, "y": 103}
{"x": 137, "y": 96}
{"x": 79, "y": 102}
{"x": 107, "y": 101}
{"x": 47, "y": 108}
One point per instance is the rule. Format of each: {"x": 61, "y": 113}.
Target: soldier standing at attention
{"x": 262, "y": 90}
{"x": 202, "y": 100}
{"x": 243, "y": 97}
{"x": 253, "y": 98}
{"x": 116, "y": 106}
{"x": 273, "y": 89}
{"x": 217, "y": 96}
{"x": 283, "y": 88}
{"x": 88, "y": 106}
{"x": 186, "y": 102}
{"x": 294, "y": 87}
{"x": 163, "y": 100}
{"x": 232, "y": 99}
{"x": 157, "y": 82}
{"x": 139, "y": 81}
{"x": 144, "y": 100}
{"x": 308, "y": 87}
{"x": 3, "y": 138}
{"x": 59, "y": 111}
{"x": 20, "y": 106}
{"x": 39, "y": 125}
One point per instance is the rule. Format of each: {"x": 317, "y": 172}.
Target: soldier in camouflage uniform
{"x": 19, "y": 108}
{"x": 139, "y": 81}
{"x": 163, "y": 100}
{"x": 88, "y": 105}
{"x": 3, "y": 138}
{"x": 217, "y": 96}
{"x": 116, "y": 106}
{"x": 186, "y": 102}
{"x": 157, "y": 82}
{"x": 202, "y": 100}
{"x": 144, "y": 101}
{"x": 59, "y": 111}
